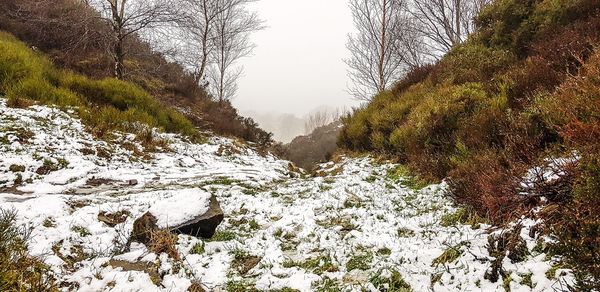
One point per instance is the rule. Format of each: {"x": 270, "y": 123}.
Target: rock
{"x": 112, "y": 219}
{"x": 203, "y": 225}
{"x": 132, "y": 182}
{"x": 145, "y": 267}
{"x": 143, "y": 228}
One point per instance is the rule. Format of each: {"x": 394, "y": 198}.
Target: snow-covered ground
{"x": 356, "y": 228}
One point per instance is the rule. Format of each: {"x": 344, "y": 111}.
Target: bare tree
{"x": 197, "y": 32}
{"x": 444, "y": 23}
{"x": 378, "y": 47}
{"x": 231, "y": 41}
{"x": 129, "y": 17}
{"x": 322, "y": 117}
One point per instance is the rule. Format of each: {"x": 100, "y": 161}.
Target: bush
{"x": 524, "y": 87}
{"x": 475, "y": 62}
{"x": 574, "y": 110}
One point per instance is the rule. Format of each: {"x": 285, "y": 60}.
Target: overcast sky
{"x": 297, "y": 65}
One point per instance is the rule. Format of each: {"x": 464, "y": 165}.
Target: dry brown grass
{"x": 164, "y": 241}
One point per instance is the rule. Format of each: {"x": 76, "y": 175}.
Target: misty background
{"x": 297, "y": 66}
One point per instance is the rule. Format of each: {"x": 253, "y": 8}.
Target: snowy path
{"x": 359, "y": 227}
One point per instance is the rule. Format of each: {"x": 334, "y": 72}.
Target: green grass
{"x": 359, "y": 262}
{"x": 82, "y": 231}
{"x": 391, "y": 283}
{"x": 223, "y": 236}
{"x": 198, "y": 248}
{"x": 19, "y": 271}
{"x": 462, "y": 216}
{"x": 104, "y": 105}
{"x": 402, "y": 174}
{"x": 405, "y": 232}
{"x": 317, "y": 265}
{"x": 526, "y": 280}
{"x": 449, "y": 255}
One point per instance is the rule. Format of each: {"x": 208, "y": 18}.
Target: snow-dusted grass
{"x": 360, "y": 227}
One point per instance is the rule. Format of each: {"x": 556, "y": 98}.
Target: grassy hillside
{"x": 522, "y": 90}
{"x": 104, "y": 105}
{"x": 73, "y": 37}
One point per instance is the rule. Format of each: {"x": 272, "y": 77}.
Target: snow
{"x": 176, "y": 207}
{"x": 285, "y": 218}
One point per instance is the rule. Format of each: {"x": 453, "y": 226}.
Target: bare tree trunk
{"x": 128, "y": 17}
{"x": 119, "y": 56}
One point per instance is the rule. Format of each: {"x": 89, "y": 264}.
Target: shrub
{"x": 573, "y": 109}
{"x": 474, "y": 62}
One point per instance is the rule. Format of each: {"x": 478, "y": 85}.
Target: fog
{"x": 297, "y": 65}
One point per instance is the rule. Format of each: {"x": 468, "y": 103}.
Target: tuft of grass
{"x": 359, "y": 262}
{"x": 449, "y": 255}
{"x": 392, "y": 283}
{"x": 384, "y": 251}
{"x": 16, "y": 168}
{"x": 402, "y": 174}
{"x": 163, "y": 241}
{"x": 82, "y": 231}
{"x": 551, "y": 273}
{"x": 254, "y": 225}
{"x": 405, "y": 232}
{"x": 18, "y": 270}
{"x": 328, "y": 285}
{"x": 223, "y": 236}
{"x": 506, "y": 282}
{"x": 198, "y": 248}
{"x": 526, "y": 280}
{"x": 462, "y": 216}
{"x": 239, "y": 286}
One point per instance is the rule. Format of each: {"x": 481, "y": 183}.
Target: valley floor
{"x": 358, "y": 227}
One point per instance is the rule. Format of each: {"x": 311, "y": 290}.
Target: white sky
{"x": 297, "y": 65}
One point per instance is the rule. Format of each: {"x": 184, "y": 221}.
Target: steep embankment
{"x": 521, "y": 93}
{"x": 362, "y": 225}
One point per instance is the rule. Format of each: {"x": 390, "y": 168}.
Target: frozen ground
{"x": 358, "y": 227}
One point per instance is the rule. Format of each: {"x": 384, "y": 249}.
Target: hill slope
{"x": 364, "y": 225}
{"x": 520, "y": 94}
